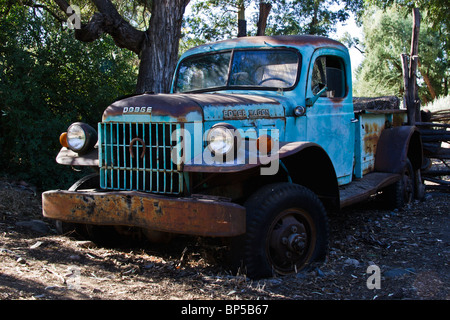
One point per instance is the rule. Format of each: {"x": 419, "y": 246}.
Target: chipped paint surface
{"x": 371, "y": 127}
{"x": 368, "y": 131}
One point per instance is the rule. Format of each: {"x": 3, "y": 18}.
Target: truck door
{"x": 330, "y": 119}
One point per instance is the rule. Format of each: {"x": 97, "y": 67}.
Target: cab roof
{"x": 269, "y": 41}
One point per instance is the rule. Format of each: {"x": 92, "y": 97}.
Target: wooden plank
{"x": 436, "y": 173}
{"x": 433, "y": 124}
{"x": 370, "y": 184}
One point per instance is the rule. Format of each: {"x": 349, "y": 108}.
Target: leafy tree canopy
{"x": 214, "y": 20}
{"x": 387, "y": 34}
{"x": 49, "y": 80}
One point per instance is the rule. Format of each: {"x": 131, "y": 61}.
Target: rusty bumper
{"x": 203, "y": 217}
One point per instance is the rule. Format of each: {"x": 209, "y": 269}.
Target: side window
{"x": 329, "y": 71}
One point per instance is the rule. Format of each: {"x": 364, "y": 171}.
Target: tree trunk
{"x": 157, "y": 47}
{"x": 242, "y": 23}
{"x": 427, "y": 80}
{"x": 445, "y": 86}
{"x": 264, "y": 10}
{"x": 159, "y": 54}
{"x": 314, "y": 21}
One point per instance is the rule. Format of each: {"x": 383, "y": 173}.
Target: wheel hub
{"x": 289, "y": 239}
{"x": 296, "y": 243}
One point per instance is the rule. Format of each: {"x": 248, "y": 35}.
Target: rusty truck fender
{"x": 395, "y": 146}
{"x": 306, "y": 163}
{"x": 70, "y": 158}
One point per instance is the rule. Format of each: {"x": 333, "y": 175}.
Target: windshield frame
{"x": 227, "y": 86}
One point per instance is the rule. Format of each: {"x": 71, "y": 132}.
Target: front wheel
{"x": 90, "y": 181}
{"x": 287, "y": 229}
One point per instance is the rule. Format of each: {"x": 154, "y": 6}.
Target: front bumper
{"x": 192, "y": 216}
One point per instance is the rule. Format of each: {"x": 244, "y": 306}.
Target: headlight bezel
{"x": 233, "y": 138}
{"x": 86, "y": 133}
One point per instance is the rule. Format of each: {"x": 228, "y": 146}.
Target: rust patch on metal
{"x": 180, "y": 106}
{"x": 368, "y": 169}
{"x": 371, "y": 137}
{"x": 202, "y": 217}
{"x": 132, "y": 142}
{"x": 398, "y": 119}
{"x": 176, "y": 106}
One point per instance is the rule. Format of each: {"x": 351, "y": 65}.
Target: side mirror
{"x": 310, "y": 101}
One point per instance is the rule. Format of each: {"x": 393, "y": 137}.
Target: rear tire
{"x": 402, "y": 192}
{"x": 287, "y": 230}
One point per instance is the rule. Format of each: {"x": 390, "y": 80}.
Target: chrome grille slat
{"x": 153, "y": 172}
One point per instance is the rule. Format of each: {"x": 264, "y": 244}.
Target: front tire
{"x": 287, "y": 229}
{"x": 90, "y": 181}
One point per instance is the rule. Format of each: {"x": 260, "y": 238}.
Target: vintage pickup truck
{"x": 257, "y": 140}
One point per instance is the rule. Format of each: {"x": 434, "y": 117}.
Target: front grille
{"x": 149, "y": 168}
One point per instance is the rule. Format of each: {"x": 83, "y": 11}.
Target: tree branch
{"x": 44, "y": 7}
{"x": 109, "y": 21}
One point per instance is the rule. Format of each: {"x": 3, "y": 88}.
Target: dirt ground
{"x": 410, "y": 247}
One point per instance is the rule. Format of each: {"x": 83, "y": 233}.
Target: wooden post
{"x": 414, "y": 62}
{"x": 406, "y": 97}
{"x": 411, "y": 97}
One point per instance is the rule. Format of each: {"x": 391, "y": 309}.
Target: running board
{"x": 370, "y": 184}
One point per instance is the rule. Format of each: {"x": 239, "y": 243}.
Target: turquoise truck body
{"x": 157, "y": 173}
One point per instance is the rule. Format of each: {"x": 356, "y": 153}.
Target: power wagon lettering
{"x": 242, "y": 114}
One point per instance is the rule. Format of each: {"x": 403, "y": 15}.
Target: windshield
{"x": 249, "y": 69}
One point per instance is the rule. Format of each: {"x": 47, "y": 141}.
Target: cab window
{"x": 329, "y": 71}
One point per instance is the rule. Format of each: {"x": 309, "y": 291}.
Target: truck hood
{"x": 192, "y": 107}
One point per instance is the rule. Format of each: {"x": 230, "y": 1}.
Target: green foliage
{"x": 214, "y": 20}
{"x": 209, "y": 21}
{"x": 49, "y": 80}
{"x": 309, "y": 17}
{"x": 435, "y": 13}
{"x": 387, "y": 34}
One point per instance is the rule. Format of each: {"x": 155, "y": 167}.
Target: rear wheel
{"x": 402, "y": 192}
{"x": 287, "y": 229}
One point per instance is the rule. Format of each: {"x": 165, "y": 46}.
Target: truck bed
{"x": 378, "y": 103}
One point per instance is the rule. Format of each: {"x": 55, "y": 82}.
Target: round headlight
{"x": 76, "y": 137}
{"x": 222, "y": 139}
{"x": 81, "y": 137}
